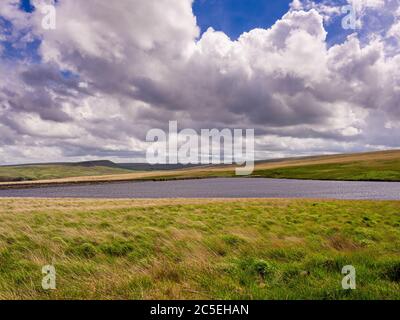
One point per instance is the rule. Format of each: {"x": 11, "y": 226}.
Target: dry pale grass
{"x": 21, "y": 205}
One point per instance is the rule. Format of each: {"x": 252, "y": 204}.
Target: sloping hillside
{"x": 55, "y": 171}
{"x": 373, "y": 166}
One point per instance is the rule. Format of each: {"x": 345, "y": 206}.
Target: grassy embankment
{"x": 374, "y": 166}
{"x": 372, "y": 170}
{"x": 211, "y": 249}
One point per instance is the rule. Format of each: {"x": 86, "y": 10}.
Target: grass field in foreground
{"x": 207, "y": 249}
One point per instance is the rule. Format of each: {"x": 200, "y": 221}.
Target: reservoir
{"x": 219, "y": 188}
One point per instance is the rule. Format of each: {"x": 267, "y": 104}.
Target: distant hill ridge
{"x": 95, "y": 163}
{"x": 131, "y": 166}
{"x": 106, "y": 164}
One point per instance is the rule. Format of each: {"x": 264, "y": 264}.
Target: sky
{"x": 111, "y": 71}
{"x": 234, "y": 17}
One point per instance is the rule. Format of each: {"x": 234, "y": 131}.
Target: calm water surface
{"x": 219, "y": 188}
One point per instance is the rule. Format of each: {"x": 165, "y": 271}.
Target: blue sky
{"x": 12, "y": 52}
{"x": 26, "y": 5}
{"x": 234, "y": 17}
{"x": 237, "y": 16}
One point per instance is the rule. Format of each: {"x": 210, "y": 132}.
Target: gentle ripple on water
{"x": 219, "y": 188}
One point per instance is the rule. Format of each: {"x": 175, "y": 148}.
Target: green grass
{"x": 45, "y": 172}
{"x": 378, "y": 170}
{"x": 204, "y": 249}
